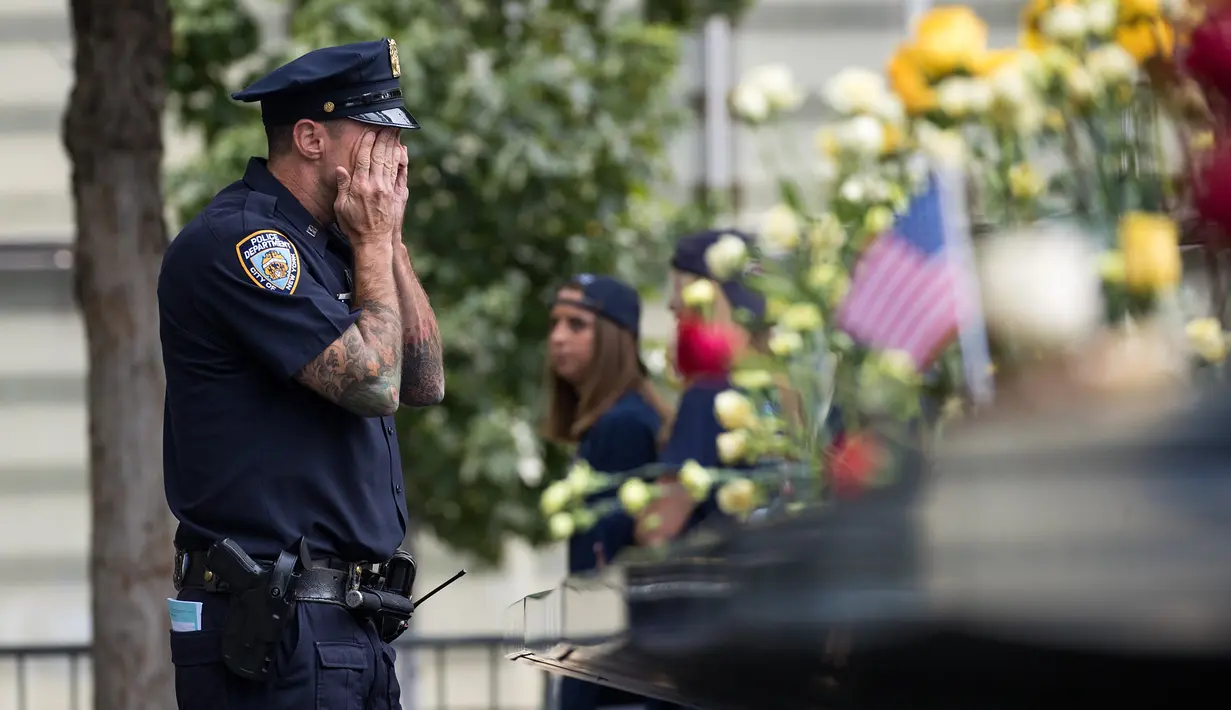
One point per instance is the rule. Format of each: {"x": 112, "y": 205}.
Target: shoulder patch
{"x": 270, "y": 260}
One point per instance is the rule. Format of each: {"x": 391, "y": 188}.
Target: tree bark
{"x": 113, "y": 134}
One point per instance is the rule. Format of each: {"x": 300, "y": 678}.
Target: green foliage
{"x": 543, "y": 142}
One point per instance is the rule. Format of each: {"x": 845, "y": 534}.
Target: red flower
{"x": 703, "y": 348}
{"x": 1208, "y": 58}
{"x": 853, "y": 462}
{"x": 1212, "y": 188}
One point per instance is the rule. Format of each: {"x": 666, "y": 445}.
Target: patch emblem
{"x": 270, "y": 259}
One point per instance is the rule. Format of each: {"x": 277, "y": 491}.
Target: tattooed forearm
{"x": 361, "y": 371}
{"x": 423, "y": 373}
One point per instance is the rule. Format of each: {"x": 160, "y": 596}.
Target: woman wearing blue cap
{"x": 600, "y": 399}
{"x": 705, "y": 351}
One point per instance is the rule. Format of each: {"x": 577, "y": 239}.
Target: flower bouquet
{"x": 1067, "y": 171}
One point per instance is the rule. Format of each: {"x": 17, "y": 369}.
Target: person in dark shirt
{"x": 293, "y": 326}
{"x": 705, "y": 368}
{"x": 602, "y": 401}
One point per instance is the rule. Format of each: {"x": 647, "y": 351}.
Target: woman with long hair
{"x": 602, "y": 401}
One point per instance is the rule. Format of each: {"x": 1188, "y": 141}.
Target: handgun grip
{"x": 232, "y": 565}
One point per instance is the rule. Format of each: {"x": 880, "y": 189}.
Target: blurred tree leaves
{"x": 542, "y": 154}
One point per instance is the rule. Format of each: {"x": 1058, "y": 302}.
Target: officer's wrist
{"x": 375, "y": 249}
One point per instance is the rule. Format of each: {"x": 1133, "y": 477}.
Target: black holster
{"x": 385, "y": 597}
{"x": 262, "y": 604}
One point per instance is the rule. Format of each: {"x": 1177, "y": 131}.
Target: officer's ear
{"x": 310, "y": 139}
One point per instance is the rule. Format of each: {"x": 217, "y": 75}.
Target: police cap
{"x": 357, "y": 81}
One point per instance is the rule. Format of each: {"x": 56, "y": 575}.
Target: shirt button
{"x": 397, "y": 489}
{"x": 388, "y": 430}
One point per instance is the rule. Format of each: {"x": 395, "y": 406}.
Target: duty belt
{"x": 327, "y": 582}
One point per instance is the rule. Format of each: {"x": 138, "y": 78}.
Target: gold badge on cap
{"x": 393, "y": 59}
{"x": 329, "y": 107}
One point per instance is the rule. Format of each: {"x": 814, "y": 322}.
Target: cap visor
{"x": 392, "y": 117}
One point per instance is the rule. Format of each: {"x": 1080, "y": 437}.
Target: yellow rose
{"x": 949, "y": 39}
{"x": 1207, "y": 340}
{"x": 734, "y": 411}
{"x": 1147, "y": 39}
{"x": 996, "y": 60}
{"x": 909, "y": 83}
{"x": 1150, "y": 244}
{"x": 1137, "y": 9}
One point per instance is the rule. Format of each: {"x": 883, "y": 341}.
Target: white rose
{"x": 778, "y": 87}
{"x": 696, "y": 479}
{"x": 749, "y": 103}
{"x": 1029, "y": 119}
{"x": 561, "y": 526}
{"x": 854, "y": 90}
{"x": 890, "y": 110}
{"x": 737, "y": 497}
{"x": 1173, "y": 9}
{"x": 698, "y": 294}
{"x": 1101, "y": 17}
{"x": 1041, "y": 287}
{"x": 862, "y": 135}
{"x": 946, "y": 148}
{"x": 752, "y": 379}
{"x": 876, "y": 188}
{"x": 1065, "y": 23}
{"x": 555, "y": 498}
{"x": 786, "y": 343}
{"x": 853, "y": 191}
{"x": 634, "y": 495}
{"x": 1111, "y": 65}
{"x": 734, "y": 411}
{"x": 978, "y": 96}
{"x": 781, "y": 227}
{"x": 959, "y": 97}
{"x": 732, "y": 446}
{"x": 580, "y": 478}
{"x": 1079, "y": 84}
{"x": 953, "y": 98}
{"x": 726, "y": 256}
{"x": 1207, "y": 340}
{"x": 655, "y": 361}
{"x": 1012, "y": 86}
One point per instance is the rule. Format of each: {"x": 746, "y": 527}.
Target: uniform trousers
{"x": 328, "y": 660}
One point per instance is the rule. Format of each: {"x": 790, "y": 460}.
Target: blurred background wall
{"x": 43, "y": 487}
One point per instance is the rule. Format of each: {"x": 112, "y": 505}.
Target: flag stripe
{"x": 906, "y": 293}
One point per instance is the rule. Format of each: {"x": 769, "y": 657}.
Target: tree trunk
{"x": 113, "y": 134}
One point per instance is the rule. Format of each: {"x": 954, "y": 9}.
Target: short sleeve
{"x": 695, "y": 432}
{"x": 257, "y": 288}
{"x": 620, "y": 442}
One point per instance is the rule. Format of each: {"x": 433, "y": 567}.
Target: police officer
{"x": 293, "y": 327}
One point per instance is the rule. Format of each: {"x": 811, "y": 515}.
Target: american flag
{"x": 907, "y": 291}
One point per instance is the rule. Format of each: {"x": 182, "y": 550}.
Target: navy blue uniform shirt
{"x": 695, "y": 437}
{"x": 250, "y": 292}
{"x": 624, "y": 438}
